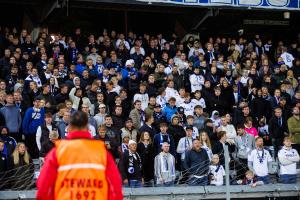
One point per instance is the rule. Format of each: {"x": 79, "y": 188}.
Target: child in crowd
{"x": 250, "y": 180}
{"x": 198, "y": 100}
{"x": 217, "y": 171}
{"x": 263, "y": 131}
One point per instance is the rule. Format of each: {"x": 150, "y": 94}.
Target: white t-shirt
{"x": 200, "y": 102}
{"x": 188, "y": 108}
{"x": 144, "y": 98}
{"x": 288, "y": 59}
{"x": 260, "y": 161}
{"x": 218, "y": 173}
{"x": 184, "y": 144}
{"x": 288, "y": 159}
{"x": 162, "y": 101}
{"x": 171, "y": 92}
{"x": 196, "y": 82}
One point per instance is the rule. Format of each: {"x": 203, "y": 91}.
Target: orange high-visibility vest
{"x": 81, "y": 170}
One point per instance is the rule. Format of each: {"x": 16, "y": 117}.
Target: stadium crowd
{"x": 165, "y": 107}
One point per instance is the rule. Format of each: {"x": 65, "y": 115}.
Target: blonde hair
{"x": 207, "y": 139}
{"x": 16, "y": 155}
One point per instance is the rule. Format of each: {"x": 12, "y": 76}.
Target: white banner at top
{"x": 262, "y": 4}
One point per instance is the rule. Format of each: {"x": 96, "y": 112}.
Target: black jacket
{"x": 131, "y": 167}
{"x": 61, "y": 98}
{"x": 151, "y": 130}
{"x": 218, "y": 149}
{"x": 260, "y": 107}
{"x": 146, "y": 154}
{"x": 197, "y": 162}
{"x": 275, "y": 129}
{"x": 177, "y": 132}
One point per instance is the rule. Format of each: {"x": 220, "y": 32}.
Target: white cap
{"x": 131, "y": 142}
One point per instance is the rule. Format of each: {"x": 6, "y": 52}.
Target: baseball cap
{"x": 157, "y": 106}
{"x": 181, "y": 110}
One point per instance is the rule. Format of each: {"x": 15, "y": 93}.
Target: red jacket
{"x": 47, "y": 177}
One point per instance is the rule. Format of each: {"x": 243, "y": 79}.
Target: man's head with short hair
{"x": 79, "y": 121}
{"x": 165, "y": 147}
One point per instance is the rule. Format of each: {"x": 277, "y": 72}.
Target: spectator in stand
{"x": 100, "y": 116}
{"x": 76, "y": 95}
{"x": 149, "y": 126}
{"x": 142, "y": 96}
{"x": 288, "y": 159}
{"x": 43, "y": 131}
{"x": 6, "y": 164}
{"x": 244, "y": 143}
{"x": 23, "y": 168}
{"x": 199, "y": 117}
{"x": 175, "y": 129}
{"x": 34, "y": 117}
{"x": 185, "y": 144}
{"x": 47, "y": 145}
{"x": 63, "y": 95}
{"x": 12, "y": 116}
{"x": 9, "y": 142}
{"x": 197, "y": 164}
{"x": 260, "y": 161}
{"x": 294, "y": 128}
{"x": 131, "y": 167}
{"x": 129, "y": 130}
{"x": 217, "y": 171}
{"x": 249, "y": 128}
{"x": 118, "y": 117}
{"x": 278, "y": 130}
{"x": 137, "y": 115}
{"x": 164, "y": 166}
{"x": 206, "y": 144}
{"x": 161, "y": 137}
{"x": 229, "y": 129}
{"x": 145, "y": 150}
{"x": 170, "y": 109}
{"x": 63, "y": 125}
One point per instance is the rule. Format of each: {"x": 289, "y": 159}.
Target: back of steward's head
{"x": 79, "y": 121}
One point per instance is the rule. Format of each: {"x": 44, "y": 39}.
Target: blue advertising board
{"x": 262, "y": 4}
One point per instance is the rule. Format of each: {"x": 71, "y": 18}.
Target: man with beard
{"x": 260, "y": 161}
{"x": 294, "y": 128}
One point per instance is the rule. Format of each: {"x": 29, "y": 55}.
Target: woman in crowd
{"x": 145, "y": 150}
{"x": 23, "y": 168}
{"x": 205, "y": 142}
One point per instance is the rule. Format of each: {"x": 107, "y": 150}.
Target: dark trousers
{"x": 277, "y": 143}
{"x": 193, "y": 181}
{"x": 241, "y": 168}
{"x": 30, "y": 142}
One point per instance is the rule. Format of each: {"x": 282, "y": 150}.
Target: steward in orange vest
{"x": 79, "y": 168}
